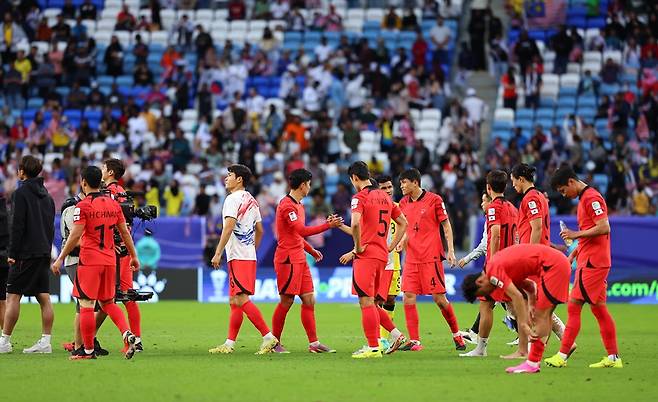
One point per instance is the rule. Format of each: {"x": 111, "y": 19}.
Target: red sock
{"x": 370, "y": 322}
{"x": 117, "y": 316}
{"x": 385, "y": 320}
{"x": 256, "y": 318}
{"x": 411, "y": 315}
{"x": 308, "y": 321}
{"x": 536, "y": 351}
{"x": 451, "y": 318}
{"x": 134, "y": 317}
{"x": 87, "y": 326}
{"x": 572, "y": 328}
{"x": 279, "y": 320}
{"x": 234, "y": 322}
{"x": 607, "y": 328}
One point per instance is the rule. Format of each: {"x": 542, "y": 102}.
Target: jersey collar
{"x": 293, "y": 199}
{"x": 583, "y": 191}
{"x": 500, "y": 197}
{"x": 529, "y": 189}
{"x": 422, "y": 194}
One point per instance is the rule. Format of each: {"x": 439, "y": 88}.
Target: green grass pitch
{"x": 177, "y": 367}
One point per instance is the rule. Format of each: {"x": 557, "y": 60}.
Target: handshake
{"x": 335, "y": 221}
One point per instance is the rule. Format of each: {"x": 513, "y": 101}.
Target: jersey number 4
{"x": 101, "y": 229}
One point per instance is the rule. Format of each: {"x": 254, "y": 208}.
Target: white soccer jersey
{"x": 244, "y": 208}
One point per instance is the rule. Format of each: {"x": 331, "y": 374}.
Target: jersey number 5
{"x": 382, "y": 221}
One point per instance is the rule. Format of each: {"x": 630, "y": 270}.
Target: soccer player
{"x": 372, "y": 211}
{"x": 242, "y": 232}
{"x": 292, "y": 272}
{"x": 594, "y": 262}
{"x": 113, "y": 170}
{"x": 94, "y": 220}
{"x": 501, "y": 217}
{"x": 511, "y": 271}
{"x": 423, "y": 266}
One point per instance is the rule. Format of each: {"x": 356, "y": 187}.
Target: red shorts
{"x": 242, "y": 277}
{"x": 385, "y": 280}
{"x": 590, "y": 285}
{"x": 95, "y": 282}
{"x": 424, "y": 279}
{"x": 367, "y": 278}
{"x": 553, "y": 286}
{"x": 125, "y": 274}
{"x": 294, "y": 279}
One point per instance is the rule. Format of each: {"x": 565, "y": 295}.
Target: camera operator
{"x": 113, "y": 170}
{"x": 71, "y": 266}
{"x": 96, "y": 217}
{"x": 32, "y": 232}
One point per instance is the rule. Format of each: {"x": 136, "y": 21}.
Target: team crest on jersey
{"x": 355, "y": 203}
{"x": 492, "y": 214}
{"x": 292, "y": 216}
{"x": 496, "y": 282}
{"x": 532, "y": 205}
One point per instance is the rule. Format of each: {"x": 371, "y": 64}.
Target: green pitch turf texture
{"x": 176, "y": 365}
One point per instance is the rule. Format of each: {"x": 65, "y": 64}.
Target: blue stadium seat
{"x": 371, "y": 26}
{"x": 577, "y": 21}
{"x": 607, "y": 89}
{"x": 545, "y": 113}
{"x": 292, "y": 36}
{"x": 596, "y": 22}
{"x": 312, "y": 36}
{"x": 407, "y": 36}
{"x": 586, "y": 101}
{"x": 537, "y": 34}
{"x": 545, "y": 123}
{"x": 502, "y": 125}
{"x": 546, "y": 102}
{"x": 72, "y": 114}
{"x": 105, "y": 80}
{"x": 94, "y": 124}
{"x": 568, "y": 91}
{"x": 389, "y": 36}
{"x": 525, "y": 114}
{"x": 34, "y": 103}
{"x": 567, "y": 101}
{"x": 560, "y": 114}
{"x": 116, "y": 113}
{"x": 93, "y": 115}
{"x": 587, "y": 114}
{"x": 513, "y": 35}
{"x": 524, "y": 124}
{"x": 601, "y": 182}
{"x": 125, "y": 81}
{"x": 28, "y": 114}
{"x": 55, "y": 3}
{"x": 577, "y": 11}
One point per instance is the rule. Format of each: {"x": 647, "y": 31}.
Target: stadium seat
{"x": 504, "y": 115}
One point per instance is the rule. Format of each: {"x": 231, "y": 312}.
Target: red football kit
{"x": 534, "y": 205}
{"x": 377, "y": 210}
{"x": 292, "y": 272}
{"x": 125, "y": 273}
{"x": 593, "y": 252}
{"x": 502, "y": 212}
{"x": 423, "y": 268}
{"x": 96, "y": 276}
{"x": 517, "y": 263}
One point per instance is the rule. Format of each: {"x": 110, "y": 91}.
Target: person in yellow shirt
{"x": 23, "y": 66}
{"x": 173, "y": 197}
{"x": 152, "y": 196}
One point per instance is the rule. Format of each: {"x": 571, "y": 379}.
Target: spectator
{"x": 79, "y": 30}
{"x": 77, "y": 98}
{"x": 279, "y": 9}
{"x": 296, "y": 21}
{"x": 354, "y": 93}
{"x": 532, "y": 87}
{"x": 13, "y": 34}
{"x": 476, "y": 30}
{"x": 509, "y": 89}
{"x": 588, "y": 84}
{"x": 440, "y": 36}
{"x": 649, "y": 54}
{"x": 202, "y": 202}
{"x": 340, "y": 200}
{"x": 125, "y": 20}
{"x": 169, "y": 58}
{"x": 22, "y": 65}
{"x": 311, "y": 98}
{"x": 236, "y": 10}
{"x": 420, "y": 157}
{"x": 562, "y": 44}
{"x": 525, "y": 50}
{"x": 156, "y": 20}
{"x": 268, "y": 43}
{"x": 43, "y": 31}
{"x": 173, "y": 198}
{"x": 68, "y": 10}
{"x": 203, "y": 41}
{"x": 610, "y": 72}
{"x": 32, "y": 22}
{"x": 140, "y": 50}
{"x": 333, "y": 20}
{"x": 88, "y": 10}
{"x": 642, "y": 196}
{"x": 113, "y": 58}
{"x": 391, "y": 20}
{"x": 183, "y": 30}
{"x": 142, "y": 76}
{"x": 430, "y": 10}
{"x": 409, "y": 20}
{"x": 261, "y": 10}
{"x": 319, "y": 207}
{"x": 419, "y": 49}
{"x": 475, "y": 107}
{"x": 323, "y": 50}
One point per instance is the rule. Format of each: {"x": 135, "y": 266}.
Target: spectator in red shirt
{"x": 419, "y": 49}
{"x": 125, "y": 20}
{"x": 649, "y": 51}
{"x": 236, "y": 10}
{"x": 18, "y": 133}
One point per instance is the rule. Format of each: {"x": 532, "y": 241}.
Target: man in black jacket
{"x": 4, "y": 266}
{"x": 31, "y": 241}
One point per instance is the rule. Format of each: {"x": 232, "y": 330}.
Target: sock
{"x": 253, "y": 314}
{"x": 482, "y": 344}
{"x": 45, "y": 338}
{"x": 572, "y": 329}
{"x": 395, "y": 334}
{"x": 308, "y": 321}
{"x": 268, "y": 336}
{"x": 451, "y": 318}
{"x": 279, "y": 319}
{"x": 536, "y": 351}
{"x": 87, "y": 327}
{"x": 385, "y": 321}
{"x": 370, "y": 322}
{"x": 5, "y": 337}
{"x": 390, "y": 311}
{"x": 316, "y": 343}
{"x": 557, "y": 327}
{"x": 607, "y": 328}
{"x": 613, "y": 357}
{"x": 117, "y": 317}
{"x": 532, "y": 364}
{"x": 229, "y": 342}
{"x": 234, "y": 323}
{"x": 411, "y": 315}
{"x": 476, "y": 324}
{"x": 134, "y": 317}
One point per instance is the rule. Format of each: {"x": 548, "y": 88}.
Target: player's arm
{"x": 17, "y": 227}
{"x": 128, "y": 241}
{"x": 356, "y": 232}
{"x": 535, "y": 231}
{"x": 401, "y": 222}
{"x": 259, "y": 234}
{"x": 71, "y": 242}
{"x": 494, "y": 246}
{"x": 521, "y": 310}
{"x": 229, "y": 225}
{"x": 447, "y": 231}
{"x": 601, "y": 227}
{"x": 477, "y": 252}
{"x": 316, "y": 254}
{"x": 345, "y": 229}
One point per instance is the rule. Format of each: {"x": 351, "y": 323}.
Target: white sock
{"x": 562, "y": 355}
{"x": 532, "y": 364}
{"x": 125, "y": 334}
{"x": 613, "y": 357}
{"x": 482, "y": 344}
{"x": 89, "y": 351}
{"x": 5, "y": 337}
{"x": 316, "y": 343}
{"x": 455, "y": 334}
{"x": 374, "y": 348}
{"x": 45, "y": 338}
{"x": 395, "y": 334}
{"x": 268, "y": 336}
{"x": 230, "y": 343}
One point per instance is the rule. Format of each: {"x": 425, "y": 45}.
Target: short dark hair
{"x": 497, "y": 179}
{"x": 470, "y": 287}
{"x": 31, "y": 166}
{"x": 524, "y": 170}
{"x": 562, "y": 175}
{"x": 381, "y": 179}
{"x": 115, "y": 165}
{"x": 241, "y": 171}
{"x": 359, "y": 169}
{"x": 299, "y": 177}
{"x": 93, "y": 176}
{"x": 412, "y": 174}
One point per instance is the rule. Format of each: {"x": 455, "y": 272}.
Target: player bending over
{"x": 538, "y": 270}
{"x": 293, "y": 275}
{"x": 242, "y": 232}
{"x": 593, "y": 261}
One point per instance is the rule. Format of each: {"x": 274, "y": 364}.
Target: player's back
{"x": 524, "y": 261}
{"x": 593, "y": 252}
{"x": 502, "y": 212}
{"x": 534, "y": 205}
{"x": 100, "y": 215}
{"x": 376, "y": 210}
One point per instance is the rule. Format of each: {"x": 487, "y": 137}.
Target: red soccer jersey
{"x": 520, "y": 262}
{"x": 376, "y": 209}
{"x": 502, "y": 212}
{"x": 424, "y": 217}
{"x": 290, "y": 229}
{"x": 593, "y": 252}
{"x": 99, "y": 214}
{"x": 534, "y": 205}
{"x": 115, "y": 188}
